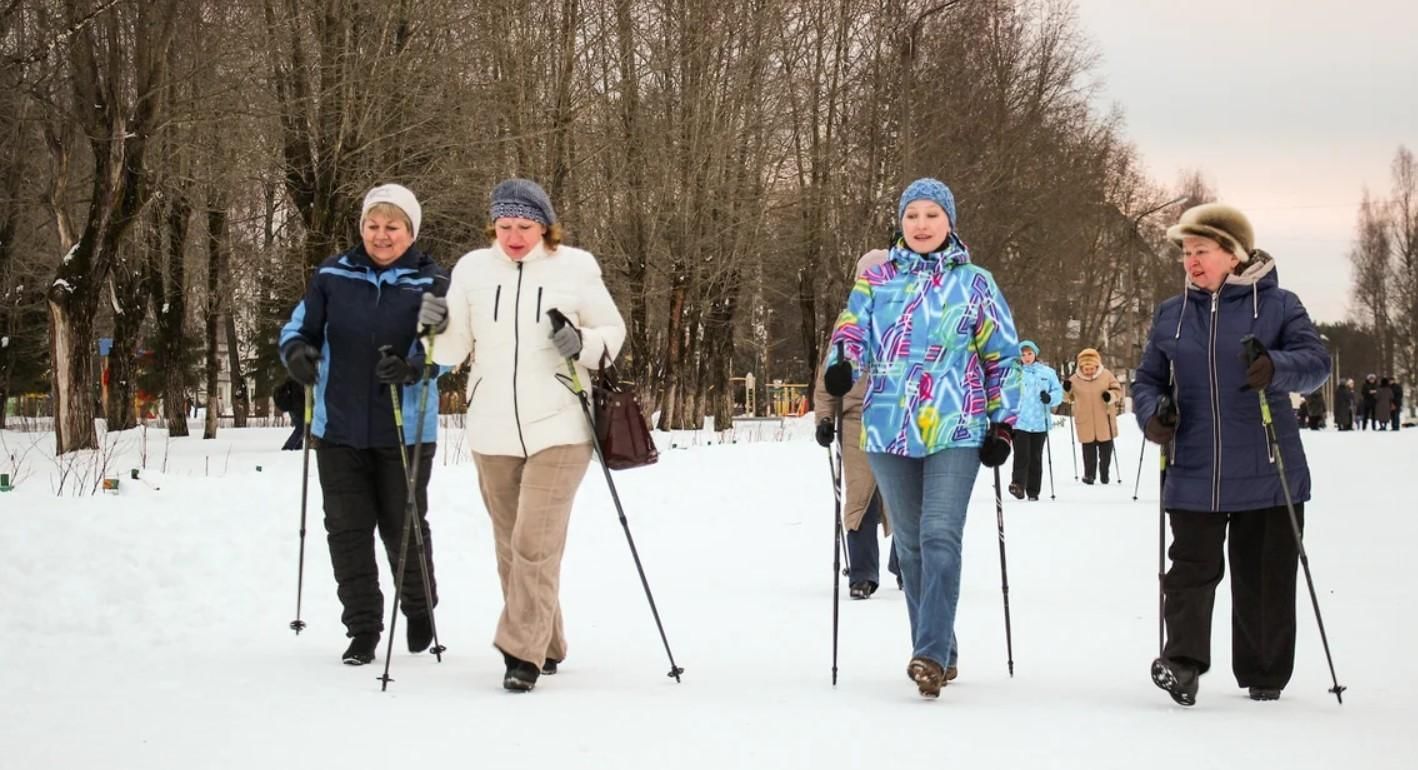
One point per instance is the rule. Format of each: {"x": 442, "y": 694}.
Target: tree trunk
{"x": 240, "y": 399}
{"x": 125, "y": 292}
{"x": 169, "y": 301}
{"x": 72, "y": 368}
{"x": 216, "y": 267}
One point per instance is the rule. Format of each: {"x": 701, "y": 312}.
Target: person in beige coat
{"x": 1095, "y": 395}
{"x": 529, "y": 437}
{"x": 862, "y": 508}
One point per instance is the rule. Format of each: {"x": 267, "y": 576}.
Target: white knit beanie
{"x": 397, "y": 195}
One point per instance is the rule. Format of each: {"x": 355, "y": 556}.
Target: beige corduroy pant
{"x": 529, "y": 500}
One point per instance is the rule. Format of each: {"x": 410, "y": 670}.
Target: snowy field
{"x": 149, "y": 628}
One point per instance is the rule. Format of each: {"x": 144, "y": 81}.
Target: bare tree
{"x": 1373, "y": 275}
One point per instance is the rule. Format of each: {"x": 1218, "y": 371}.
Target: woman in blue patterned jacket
{"x": 1039, "y": 392}
{"x": 936, "y": 339}
{"x": 1196, "y": 392}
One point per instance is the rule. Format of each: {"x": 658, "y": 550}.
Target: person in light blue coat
{"x": 1039, "y": 392}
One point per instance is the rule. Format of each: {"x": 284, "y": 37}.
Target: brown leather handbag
{"x": 621, "y": 429}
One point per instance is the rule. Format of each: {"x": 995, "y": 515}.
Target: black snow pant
{"x": 863, "y": 550}
{"x": 297, "y": 433}
{"x": 1029, "y": 461}
{"x": 365, "y": 489}
{"x": 1264, "y": 560}
{"x": 1097, "y": 460}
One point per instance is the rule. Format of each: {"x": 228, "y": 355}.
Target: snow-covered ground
{"x": 148, "y": 628}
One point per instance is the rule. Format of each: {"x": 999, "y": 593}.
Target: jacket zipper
{"x": 539, "y": 304}
{"x": 496, "y": 300}
{"x": 1215, "y": 411}
{"x": 516, "y": 356}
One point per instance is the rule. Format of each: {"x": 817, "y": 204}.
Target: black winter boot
{"x": 419, "y": 633}
{"x": 549, "y": 667}
{"x": 1179, "y": 680}
{"x": 521, "y": 676}
{"x": 361, "y": 649}
{"x": 1265, "y": 693}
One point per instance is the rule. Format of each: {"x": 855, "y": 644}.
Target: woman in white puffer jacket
{"x": 530, "y": 439}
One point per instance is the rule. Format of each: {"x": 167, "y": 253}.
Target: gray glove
{"x": 433, "y": 313}
{"x": 565, "y": 337}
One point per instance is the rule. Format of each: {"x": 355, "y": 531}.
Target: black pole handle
{"x": 1253, "y": 347}
{"x": 557, "y": 319}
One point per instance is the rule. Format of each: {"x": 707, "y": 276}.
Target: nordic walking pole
{"x": 1254, "y": 349}
{"x": 1136, "y": 484}
{"x": 838, "y": 545}
{"x": 1049, "y": 448}
{"x": 411, "y": 511}
{"x": 298, "y": 625}
{"x": 573, "y": 381}
{"x": 1117, "y": 463}
{"x": 1072, "y": 429}
{"x": 1004, "y": 573}
{"x": 1161, "y": 552}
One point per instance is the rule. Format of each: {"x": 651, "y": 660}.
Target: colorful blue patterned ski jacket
{"x": 936, "y": 338}
{"x": 1029, "y": 381}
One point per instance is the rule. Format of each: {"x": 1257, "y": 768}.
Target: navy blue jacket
{"x": 1219, "y": 458}
{"x": 350, "y": 310}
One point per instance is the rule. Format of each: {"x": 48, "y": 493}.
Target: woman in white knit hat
{"x": 351, "y": 338}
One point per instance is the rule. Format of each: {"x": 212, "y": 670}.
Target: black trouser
{"x": 1097, "y": 459}
{"x": 863, "y": 551}
{"x": 1397, "y": 413}
{"x": 1263, "y": 558}
{"x": 364, "y": 489}
{"x": 1029, "y": 461}
{"x": 297, "y": 433}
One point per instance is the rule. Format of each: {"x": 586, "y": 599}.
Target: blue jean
{"x": 863, "y": 552}
{"x": 926, "y": 500}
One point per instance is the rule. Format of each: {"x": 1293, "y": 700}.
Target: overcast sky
{"x": 1289, "y": 107}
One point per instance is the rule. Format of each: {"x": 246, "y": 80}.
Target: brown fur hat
{"x": 1221, "y": 223}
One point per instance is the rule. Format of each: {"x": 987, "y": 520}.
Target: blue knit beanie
{"x": 928, "y": 189}
{"x": 524, "y": 199}
{"x": 1029, "y": 345}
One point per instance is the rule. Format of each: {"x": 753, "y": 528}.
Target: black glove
{"x": 392, "y": 369}
{"x": 1107, "y": 397}
{"x": 1259, "y": 373}
{"x": 1068, "y": 385}
{"x": 825, "y": 432}
{"x": 838, "y": 379}
{"x": 1162, "y": 425}
{"x": 998, "y": 440}
{"x": 302, "y": 361}
{"x": 1044, "y": 396}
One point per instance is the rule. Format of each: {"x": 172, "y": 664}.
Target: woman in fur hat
{"x": 1195, "y": 392}
{"x": 936, "y": 339}
{"x": 1095, "y": 395}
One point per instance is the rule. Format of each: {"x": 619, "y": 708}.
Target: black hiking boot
{"x": 361, "y": 650}
{"x": 1179, "y": 680}
{"x": 549, "y": 667}
{"x": 1265, "y": 693}
{"x": 419, "y": 633}
{"x": 1017, "y": 490}
{"x": 862, "y": 589}
{"x": 521, "y": 676}
{"x": 1088, "y": 480}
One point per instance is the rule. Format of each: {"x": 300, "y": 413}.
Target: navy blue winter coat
{"x": 351, "y": 309}
{"x": 1219, "y": 458}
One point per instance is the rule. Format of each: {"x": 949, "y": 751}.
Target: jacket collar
{"x": 951, "y": 254}
{"x": 411, "y": 260}
{"x": 538, "y": 252}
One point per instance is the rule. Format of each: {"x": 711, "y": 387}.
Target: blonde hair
{"x": 390, "y": 211}
{"x": 551, "y": 239}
